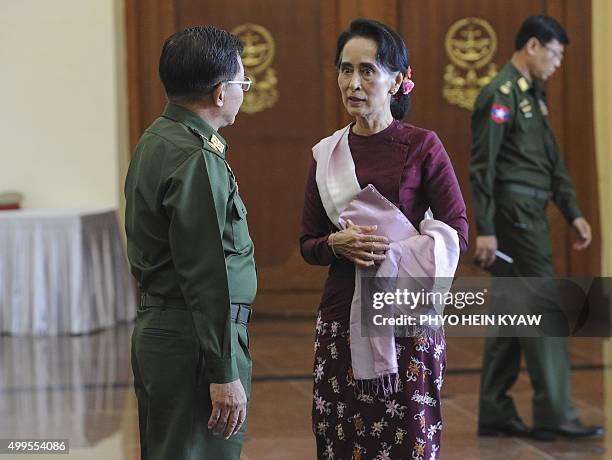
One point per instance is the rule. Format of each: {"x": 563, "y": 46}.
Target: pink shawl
{"x": 433, "y": 253}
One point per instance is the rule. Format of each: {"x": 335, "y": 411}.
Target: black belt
{"x": 525, "y": 190}
{"x": 240, "y": 313}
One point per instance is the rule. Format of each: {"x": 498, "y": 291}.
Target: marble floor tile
{"x": 80, "y": 388}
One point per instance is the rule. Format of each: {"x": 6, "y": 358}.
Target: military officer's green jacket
{"x": 512, "y": 142}
{"x": 187, "y": 235}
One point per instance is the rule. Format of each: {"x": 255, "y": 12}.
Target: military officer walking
{"x": 190, "y": 250}
{"x": 515, "y": 169}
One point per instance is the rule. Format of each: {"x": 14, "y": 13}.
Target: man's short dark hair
{"x": 196, "y": 60}
{"x": 544, "y": 28}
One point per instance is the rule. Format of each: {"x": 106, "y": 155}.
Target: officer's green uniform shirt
{"x": 513, "y": 143}
{"x": 187, "y": 230}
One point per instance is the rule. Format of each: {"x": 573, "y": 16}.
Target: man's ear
{"x": 218, "y": 95}
{"x": 532, "y": 45}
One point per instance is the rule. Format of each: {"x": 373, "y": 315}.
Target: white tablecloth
{"x": 62, "y": 272}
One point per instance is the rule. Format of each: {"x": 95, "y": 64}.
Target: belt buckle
{"x": 239, "y": 315}
{"x": 238, "y": 308}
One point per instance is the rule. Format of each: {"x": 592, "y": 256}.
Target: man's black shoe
{"x": 513, "y": 427}
{"x": 569, "y": 430}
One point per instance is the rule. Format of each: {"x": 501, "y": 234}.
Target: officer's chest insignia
{"x": 500, "y": 113}
{"x": 505, "y": 88}
{"x": 523, "y": 84}
{"x": 526, "y": 108}
{"x": 543, "y": 108}
{"x": 527, "y": 113}
{"x": 216, "y": 144}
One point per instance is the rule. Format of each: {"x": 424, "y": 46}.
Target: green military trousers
{"x": 522, "y": 231}
{"x": 173, "y": 398}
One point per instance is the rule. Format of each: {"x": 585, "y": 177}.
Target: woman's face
{"x": 365, "y": 86}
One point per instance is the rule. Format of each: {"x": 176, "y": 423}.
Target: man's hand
{"x": 229, "y": 407}
{"x": 485, "y": 250}
{"x": 583, "y": 229}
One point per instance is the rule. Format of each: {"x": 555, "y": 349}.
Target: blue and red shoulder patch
{"x": 500, "y": 113}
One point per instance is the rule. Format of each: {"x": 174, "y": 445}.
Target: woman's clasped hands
{"x": 357, "y": 244}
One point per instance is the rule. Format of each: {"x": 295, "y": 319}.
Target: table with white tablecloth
{"x": 63, "y": 272}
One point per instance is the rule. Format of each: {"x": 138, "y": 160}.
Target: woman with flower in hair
{"x": 378, "y": 397}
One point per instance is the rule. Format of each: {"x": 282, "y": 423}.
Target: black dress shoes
{"x": 513, "y": 427}
{"x": 573, "y": 430}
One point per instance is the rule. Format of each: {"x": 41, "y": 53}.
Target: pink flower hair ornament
{"x": 407, "y": 84}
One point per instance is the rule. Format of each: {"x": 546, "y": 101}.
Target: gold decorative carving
{"x": 471, "y": 44}
{"x": 257, "y": 57}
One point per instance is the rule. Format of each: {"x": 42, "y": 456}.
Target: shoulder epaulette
{"x": 212, "y": 145}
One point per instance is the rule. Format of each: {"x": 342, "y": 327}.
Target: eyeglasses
{"x": 556, "y": 54}
{"x": 245, "y": 84}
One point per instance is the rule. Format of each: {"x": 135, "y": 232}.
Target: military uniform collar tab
{"x": 211, "y": 138}
{"x": 522, "y": 82}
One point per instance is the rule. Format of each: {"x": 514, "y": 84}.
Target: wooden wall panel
{"x": 424, "y": 27}
{"x": 270, "y": 150}
{"x": 330, "y": 29}
{"x": 560, "y": 232}
{"x": 348, "y": 10}
{"x": 577, "y": 133}
{"x": 570, "y": 98}
{"x": 148, "y": 23}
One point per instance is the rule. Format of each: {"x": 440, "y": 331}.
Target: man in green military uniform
{"x": 190, "y": 250}
{"x": 515, "y": 169}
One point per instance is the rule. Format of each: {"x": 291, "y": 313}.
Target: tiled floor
{"x": 80, "y": 388}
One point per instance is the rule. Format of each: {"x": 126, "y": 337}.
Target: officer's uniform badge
{"x": 216, "y": 144}
{"x": 500, "y": 113}
{"x": 527, "y": 113}
{"x": 526, "y": 108}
